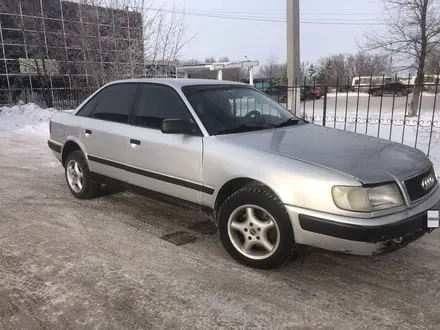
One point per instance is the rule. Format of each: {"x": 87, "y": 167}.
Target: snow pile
{"x": 25, "y": 117}
{"x": 333, "y": 93}
{"x": 345, "y": 94}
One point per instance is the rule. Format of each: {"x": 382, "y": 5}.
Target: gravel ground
{"x": 106, "y": 264}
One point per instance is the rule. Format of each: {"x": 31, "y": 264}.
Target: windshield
{"x": 227, "y": 109}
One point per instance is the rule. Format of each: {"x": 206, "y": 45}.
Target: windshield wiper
{"x": 246, "y": 128}
{"x": 290, "y": 122}
{"x": 255, "y": 126}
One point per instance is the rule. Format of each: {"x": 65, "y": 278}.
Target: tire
{"x": 260, "y": 200}
{"x": 88, "y": 188}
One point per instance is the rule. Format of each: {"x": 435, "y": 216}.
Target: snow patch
{"x": 26, "y": 117}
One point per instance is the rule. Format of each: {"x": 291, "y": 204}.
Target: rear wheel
{"x": 255, "y": 229}
{"x": 79, "y": 178}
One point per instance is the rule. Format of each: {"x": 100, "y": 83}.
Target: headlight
{"x": 360, "y": 199}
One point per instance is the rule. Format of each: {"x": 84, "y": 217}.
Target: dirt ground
{"x": 110, "y": 263}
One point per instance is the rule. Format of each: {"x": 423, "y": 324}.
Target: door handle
{"x": 137, "y": 142}
{"x": 88, "y": 132}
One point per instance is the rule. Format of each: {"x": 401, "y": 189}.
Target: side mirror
{"x": 177, "y": 126}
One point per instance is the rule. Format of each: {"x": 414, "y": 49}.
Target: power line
{"x": 329, "y": 21}
{"x": 283, "y": 15}
{"x": 241, "y": 13}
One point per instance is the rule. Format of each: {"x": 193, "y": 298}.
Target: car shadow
{"x": 110, "y": 189}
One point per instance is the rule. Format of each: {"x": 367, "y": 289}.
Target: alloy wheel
{"x": 253, "y": 232}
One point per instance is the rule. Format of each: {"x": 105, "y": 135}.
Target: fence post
{"x": 324, "y": 110}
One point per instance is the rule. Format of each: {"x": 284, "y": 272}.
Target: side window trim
{"x": 137, "y": 97}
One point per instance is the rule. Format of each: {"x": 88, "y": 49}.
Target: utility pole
{"x": 293, "y": 56}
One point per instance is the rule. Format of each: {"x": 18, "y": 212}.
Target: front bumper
{"x": 362, "y": 237}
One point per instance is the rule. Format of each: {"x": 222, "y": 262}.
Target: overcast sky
{"x": 258, "y": 39}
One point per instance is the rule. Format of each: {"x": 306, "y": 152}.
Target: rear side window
{"x": 115, "y": 103}
{"x": 156, "y": 103}
{"x": 88, "y": 108}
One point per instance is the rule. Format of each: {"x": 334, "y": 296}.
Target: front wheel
{"x": 255, "y": 229}
{"x": 78, "y": 177}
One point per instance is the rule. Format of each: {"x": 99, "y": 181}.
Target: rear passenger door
{"x": 106, "y": 130}
{"x": 167, "y": 163}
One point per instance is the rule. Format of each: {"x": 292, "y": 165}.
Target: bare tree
{"x": 338, "y": 69}
{"x": 210, "y": 60}
{"x": 270, "y": 69}
{"x": 367, "y": 64}
{"x": 333, "y": 70}
{"x": 412, "y": 33}
{"x": 274, "y": 70}
{"x": 148, "y": 48}
{"x": 433, "y": 62}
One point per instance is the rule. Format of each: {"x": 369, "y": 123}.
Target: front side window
{"x": 156, "y": 103}
{"x": 227, "y": 109}
{"x": 115, "y": 103}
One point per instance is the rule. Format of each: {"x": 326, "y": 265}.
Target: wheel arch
{"x": 231, "y": 186}
{"x": 70, "y": 146}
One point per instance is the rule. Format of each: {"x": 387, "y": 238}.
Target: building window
{"x": 105, "y": 16}
{"x": 33, "y": 24}
{"x": 31, "y": 7}
{"x": 13, "y": 66}
{"x": 70, "y": 11}
{"x": 12, "y": 37}
{"x": 51, "y": 9}
{"x": 14, "y": 51}
{"x": 75, "y": 55}
{"x": 9, "y": 21}
{"x": 72, "y": 28}
{"x": 53, "y": 25}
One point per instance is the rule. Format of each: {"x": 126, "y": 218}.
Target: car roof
{"x": 178, "y": 83}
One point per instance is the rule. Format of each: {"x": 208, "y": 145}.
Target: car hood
{"x": 370, "y": 160}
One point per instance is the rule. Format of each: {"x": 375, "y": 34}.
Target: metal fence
{"x": 371, "y": 109}
{"x": 59, "y": 98}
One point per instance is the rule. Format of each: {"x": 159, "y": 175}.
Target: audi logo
{"x": 428, "y": 182}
